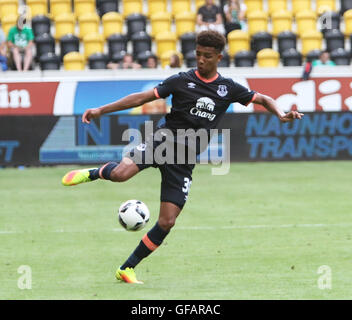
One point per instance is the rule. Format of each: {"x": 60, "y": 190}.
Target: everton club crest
{"x": 222, "y": 90}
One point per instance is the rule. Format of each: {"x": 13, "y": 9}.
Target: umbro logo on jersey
{"x": 222, "y": 90}
{"x": 191, "y": 85}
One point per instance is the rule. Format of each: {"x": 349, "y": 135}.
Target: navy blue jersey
{"x": 200, "y": 103}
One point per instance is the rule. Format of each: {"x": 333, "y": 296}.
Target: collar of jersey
{"x": 204, "y": 79}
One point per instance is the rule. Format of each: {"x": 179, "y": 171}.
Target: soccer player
{"x": 190, "y": 91}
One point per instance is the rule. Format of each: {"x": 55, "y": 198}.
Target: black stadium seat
{"x": 291, "y": 58}
{"x": 286, "y": 40}
{"x": 116, "y": 43}
{"x": 49, "y": 61}
{"x": 141, "y": 42}
{"x": 135, "y": 23}
{"x": 261, "y": 40}
{"x": 188, "y": 42}
{"x": 104, "y": 6}
{"x": 142, "y": 58}
{"x": 244, "y": 58}
{"x": 329, "y": 20}
{"x": 44, "y": 43}
{"x": 98, "y": 61}
{"x": 68, "y": 43}
{"x": 191, "y": 60}
{"x": 313, "y": 55}
{"x": 225, "y": 61}
{"x": 40, "y": 25}
{"x": 334, "y": 39}
{"x": 345, "y": 5}
{"x": 341, "y": 57}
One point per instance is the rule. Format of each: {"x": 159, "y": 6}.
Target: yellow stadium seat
{"x": 74, "y": 61}
{"x": 179, "y": 6}
{"x": 64, "y": 24}
{"x": 160, "y": 22}
{"x": 276, "y": 5}
{"x": 257, "y": 21}
{"x": 305, "y": 21}
{"x": 311, "y": 40}
{"x": 155, "y": 6}
{"x": 132, "y": 6}
{"x": 8, "y": 22}
{"x": 268, "y": 58}
{"x": 37, "y": 7}
{"x": 8, "y": 7}
{"x": 254, "y": 5}
{"x": 88, "y": 23}
{"x": 165, "y": 41}
{"x": 165, "y": 58}
{"x": 93, "y": 43}
{"x": 281, "y": 21}
{"x": 58, "y": 7}
{"x": 83, "y": 6}
{"x": 347, "y": 17}
{"x": 325, "y": 5}
{"x": 112, "y": 23}
{"x": 185, "y": 22}
{"x": 301, "y": 5}
{"x": 237, "y": 40}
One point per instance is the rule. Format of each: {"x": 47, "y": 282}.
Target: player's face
{"x": 207, "y": 60}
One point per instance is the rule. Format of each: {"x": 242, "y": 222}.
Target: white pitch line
{"x": 200, "y": 228}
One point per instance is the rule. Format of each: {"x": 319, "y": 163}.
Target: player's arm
{"x": 270, "y": 104}
{"x": 130, "y": 101}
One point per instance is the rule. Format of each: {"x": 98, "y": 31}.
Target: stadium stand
{"x": 49, "y": 61}
{"x": 244, "y": 58}
{"x": 37, "y": 7}
{"x": 68, "y": 43}
{"x": 268, "y": 58}
{"x": 112, "y": 23}
{"x": 64, "y": 24}
{"x": 41, "y": 24}
{"x": 74, "y": 61}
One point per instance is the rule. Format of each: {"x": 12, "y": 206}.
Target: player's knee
{"x": 118, "y": 175}
{"x": 166, "y": 223}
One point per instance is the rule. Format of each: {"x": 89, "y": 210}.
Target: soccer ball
{"x": 133, "y": 215}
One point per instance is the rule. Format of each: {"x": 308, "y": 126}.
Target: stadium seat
{"x": 49, "y": 61}
{"x": 341, "y": 57}
{"x": 58, "y": 7}
{"x": 84, "y": 6}
{"x": 261, "y": 40}
{"x": 93, "y": 43}
{"x": 237, "y": 40}
{"x": 8, "y": 7}
{"x": 7, "y": 22}
{"x": 334, "y": 39}
{"x": 37, "y": 7}
{"x": 160, "y": 22}
{"x": 141, "y": 41}
{"x": 68, "y": 43}
{"x": 329, "y": 20}
{"x": 142, "y": 58}
{"x": 188, "y": 42}
{"x": 244, "y": 58}
{"x": 178, "y": 6}
{"x": 105, "y": 6}
{"x": 313, "y": 55}
{"x": 132, "y": 6}
{"x": 64, "y": 24}
{"x": 155, "y": 6}
{"x": 286, "y": 40}
{"x": 185, "y": 22}
{"x": 165, "y": 58}
{"x": 253, "y": 5}
{"x": 347, "y": 17}
{"x": 136, "y": 23}
{"x": 112, "y": 23}
{"x": 345, "y": 5}
{"x": 116, "y": 43}
{"x": 74, "y": 61}
{"x": 40, "y": 25}
{"x": 281, "y": 21}
{"x": 199, "y": 3}
{"x": 301, "y": 5}
{"x": 276, "y": 6}
{"x": 306, "y": 21}
{"x": 291, "y": 58}
{"x": 88, "y": 23}
{"x": 325, "y": 5}
{"x": 225, "y": 61}
{"x": 257, "y": 21}
{"x": 44, "y": 43}
{"x": 98, "y": 61}
{"x": 117, "y": 57}
{"x": 191, "y": 59}
{"x": 311, "y": 40}
{"x": 165, "y": 41}
{"x": 268, "y": 58}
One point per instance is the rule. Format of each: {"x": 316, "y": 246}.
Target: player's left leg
{"x": 150, "y": 242}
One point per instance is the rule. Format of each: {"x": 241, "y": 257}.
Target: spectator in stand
{"x": 324, "y": 60}
{"x": 3, "y": 51}
{"x": 209, "y": 17}
{"x": 175, "y": 61}
{"x": 152, "y": 62}
{"x": 235, "y": 12}
{"x": 127, "y": 63}
{"x": 20, "y": 42}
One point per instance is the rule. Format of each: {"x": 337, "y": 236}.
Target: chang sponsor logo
{"x": 202, "y": 108}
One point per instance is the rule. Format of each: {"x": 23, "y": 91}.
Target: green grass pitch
{"x": 260, "y": 232}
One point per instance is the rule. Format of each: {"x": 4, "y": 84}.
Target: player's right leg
{"x": 113, "y": 171}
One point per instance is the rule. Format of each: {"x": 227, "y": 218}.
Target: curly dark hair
{"x": 212, "y": 39}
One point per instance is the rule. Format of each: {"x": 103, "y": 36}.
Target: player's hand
{"x": 91, "y": 114}
{"x": 290, "y": 116}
